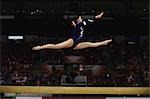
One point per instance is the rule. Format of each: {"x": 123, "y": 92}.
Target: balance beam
{"x": 75, "y": 90}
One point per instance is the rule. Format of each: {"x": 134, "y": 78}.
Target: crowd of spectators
{"x": 130, "y": 65}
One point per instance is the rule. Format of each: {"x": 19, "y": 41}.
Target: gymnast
{"x": 75, "y": 41}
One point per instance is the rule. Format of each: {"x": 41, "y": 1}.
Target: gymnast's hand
{"x": 99, "y": 16}
{"x": 73, "y": 24}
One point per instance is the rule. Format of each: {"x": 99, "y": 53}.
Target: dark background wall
{"x": 45, "y": 17}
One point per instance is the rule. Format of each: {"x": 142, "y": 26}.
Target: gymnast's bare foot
{"x": 107, "y": 41}
{"x": 36, "y": 48}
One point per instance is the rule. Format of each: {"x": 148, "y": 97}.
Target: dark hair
{"x": 78, "y": 15}
{"x": 75, "y": 18}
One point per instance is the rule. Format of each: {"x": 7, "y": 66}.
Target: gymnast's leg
{"x": 90, "y": 44}
{"x": 66, "y": 44}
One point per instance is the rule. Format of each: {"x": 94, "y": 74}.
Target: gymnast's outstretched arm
{"x": 99, "y": 16}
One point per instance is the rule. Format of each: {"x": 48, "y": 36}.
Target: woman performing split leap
{"x": 75, "y": 41}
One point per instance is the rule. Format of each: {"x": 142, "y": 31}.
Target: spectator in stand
{"x": 16, "y": 78}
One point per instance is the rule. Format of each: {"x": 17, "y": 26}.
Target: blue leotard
{"x": 78, "y": 31}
